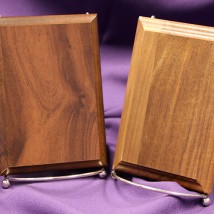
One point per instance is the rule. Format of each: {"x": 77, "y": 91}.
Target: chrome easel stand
{"x": 205, "y": 199}
{"x": 6, "y": 183}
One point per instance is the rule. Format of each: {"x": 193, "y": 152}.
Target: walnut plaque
{"x": 167, "y": 126}
{"x": 51, "y": 108}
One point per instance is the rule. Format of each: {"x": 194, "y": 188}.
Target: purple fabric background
{"x": 117, "y": 24}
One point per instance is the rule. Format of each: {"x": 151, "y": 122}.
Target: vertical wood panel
{"x": 49, "y": 109}
{"x": 169, "y": 123}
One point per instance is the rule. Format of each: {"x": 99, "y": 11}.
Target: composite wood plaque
{"x": 167, "y": 126}
{"x": 51, "y": 109}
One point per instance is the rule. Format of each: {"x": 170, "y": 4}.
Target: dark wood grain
{"x": 167, "y": 127}
{"x": 51, "y": 106}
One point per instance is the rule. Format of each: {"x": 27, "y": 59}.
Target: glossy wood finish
{"x": 50, "y": 94}
{"x": 167, "y": 126}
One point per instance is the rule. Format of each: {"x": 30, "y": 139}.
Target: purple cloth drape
{"x": 117, "y": 24}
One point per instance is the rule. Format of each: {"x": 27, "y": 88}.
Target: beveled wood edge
{"x": 119, "y": 152}
{"x": 53, "y": 167}
{"x": 177, "y": 28}
{"x": 157, "y": 175}
{"x": 98, "y": 90}
{"x": 47, "y": 20}
{"x": 2, "y": 127}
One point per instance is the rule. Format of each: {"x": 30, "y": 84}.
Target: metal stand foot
{"x": 206, "y": 201}
{"x": 5, "y": 183}
{"x": 103, "y": 173}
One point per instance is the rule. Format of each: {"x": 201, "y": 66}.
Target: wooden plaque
{"x": 51, "y": 110}
{"x": 167, "y": 126}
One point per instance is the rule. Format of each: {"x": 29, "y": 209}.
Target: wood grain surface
{"x": 51, "y": 110}
{"x": 167, "y": 126}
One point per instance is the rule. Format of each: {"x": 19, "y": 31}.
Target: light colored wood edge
{"x": 47, "y": 20}
{"x": 152, "y": 174}
{"x": 177, "y": 28}
{"x": 98, "y": 91}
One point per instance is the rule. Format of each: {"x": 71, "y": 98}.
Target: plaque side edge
{"x": 98, "y": 91}
{"x": 3, "y": 152}
{"x": 121, "y": 141}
